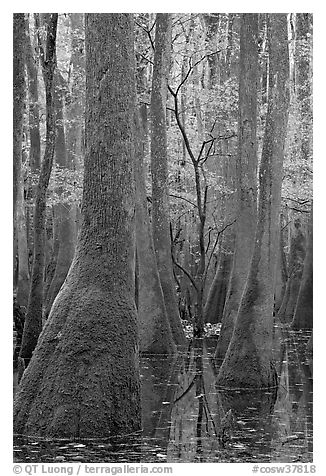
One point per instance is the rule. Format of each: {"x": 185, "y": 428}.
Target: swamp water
{"x": 187, "y": 419}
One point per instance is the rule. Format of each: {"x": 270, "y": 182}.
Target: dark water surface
{"x": 187, "y": 419}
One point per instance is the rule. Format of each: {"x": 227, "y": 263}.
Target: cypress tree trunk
{"x": 303, "y": 82}
{"x": 248, "y": 360}
{"x": 159, "y": 169}
{"x": 154, "y": 328}
{"x": 62, "y": 211}
{"x": 23, "y": 268}
{"x": 18, "y": 115}
{"x": 246, "y": 172}
{"x": 20, "y": 247}
{"x": 83, "y": 380}
{"x": 33, "y": 320}
{"x": 303, "y": 314}
{"x": 34, "y": 127}
{"x": 212, "y": 22}
{"x": 76, "y": 107}
{"x": 33, "y": 117}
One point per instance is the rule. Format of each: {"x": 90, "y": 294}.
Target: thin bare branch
{"x": 183, "y": 198}
{"x": 215, "y": 244}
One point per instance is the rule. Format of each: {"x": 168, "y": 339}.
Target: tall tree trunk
{"x": 159, "y": 170}
{"x": 303, "y": 314}
{"x": 34, "y": 128}
{"x": 212, "y": 21}
{"x": 228, "y": 54}
{"x": 23, "y": 265}
{"x": 154, "y": 327}
{"x": 62, "y": 211}
{"x": 303, "y": 81}
{"x": 83, "y": 379}
{"x": 33, "y": 321}
{"x": 248, "y": 360}
{"x": 246, "y": 173}
{"x": 18, "y": 114}
{"x": 33, "y": 117}
{"x": 76, "y": 107}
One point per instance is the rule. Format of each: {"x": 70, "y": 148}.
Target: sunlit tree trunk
{"x": 248, "y": 360}
{"x": 83, "y": 379}
{"x": 33, "y": 321}
{"x": 246, "y": 173}
{"x": 159, "y": 170}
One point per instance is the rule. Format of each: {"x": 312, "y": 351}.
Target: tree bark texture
{"x": 246, "y": 173}
{"x": 83, "y": 380}
{"x": 33, "y": 320}
{"x": 154, "y": 327}
{"x": 18, "y": 115}
{"x": 159, "y": 170}
{"x": 248, "y": 360}
{"x": 303, "y": 314}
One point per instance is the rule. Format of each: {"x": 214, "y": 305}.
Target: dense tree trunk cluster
{"x": 162, "y": 190}
{"x": 248, "y": 360}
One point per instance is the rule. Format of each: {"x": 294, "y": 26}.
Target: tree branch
{"x": 183, "y": 198}
{"x": 213, "y": 249}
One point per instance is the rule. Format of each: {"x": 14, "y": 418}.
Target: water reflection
{"x": 293, "y": 412}
{"x": 186, "y": 418}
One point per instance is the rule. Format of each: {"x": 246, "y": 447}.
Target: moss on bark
{"x": 83, "y": 379}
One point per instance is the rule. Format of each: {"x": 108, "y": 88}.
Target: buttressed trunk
{"x": 33, "y": 321}
{"x": 154, "y": 327}
{"x": 248, "y": 360}
{"x": 246, "y": 181}
{"x": 83, "y": 379}
{"x": 159, "y": 169}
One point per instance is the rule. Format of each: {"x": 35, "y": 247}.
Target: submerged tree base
{"x": 77, "y": 387}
